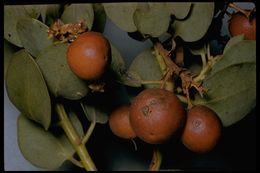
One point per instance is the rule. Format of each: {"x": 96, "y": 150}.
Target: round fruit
{"x": 119, "y": 122}
{"x": 240, "y": 24}
{"x": 88, "y": 56}
{"x": 156, "y": 115}
{"x": 202, "y": 129}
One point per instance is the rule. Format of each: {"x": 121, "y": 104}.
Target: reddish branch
{"x": 172, "y": 68}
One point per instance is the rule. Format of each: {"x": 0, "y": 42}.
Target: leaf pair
{"x": 42, "y": 148}
{"x": 154, "y": 18}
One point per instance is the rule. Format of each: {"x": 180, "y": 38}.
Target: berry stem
{"x": 246, "y": 13}
{"x": 75, "y": 140}
{"x": 156, "y": 160}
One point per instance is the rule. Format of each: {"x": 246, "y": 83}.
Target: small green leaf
{"x": 61, "y": 81}
{"x": 12, "y": 14}
{"x": 122, "y": 14}
{"x": 27, "y": 90}
{"x": 242, "y": 52}
{"x": 146, "y": 66}
{"x": 232, "y": 83}
{"x": 100, "y": 18}
{"x": 40, "y": 147}
{"x": 179, "y": 9}
{"x": 233, "y": 40}
{"x": 95, "y": 113}
{"x": 130, "y": 78}
{"x": 117, "y": 63}
{"x": 76, "y": 12}
{"x": 33, "y": 10}
{"x": 9, "y": 50}
{"x": 33, "y": 35}
{"x": 152, "y": 19}
{"x": 50, "y": 13}
{"x": 194, "y": 28}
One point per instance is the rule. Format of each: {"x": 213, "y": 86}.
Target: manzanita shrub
{"x": 188, "y": 57}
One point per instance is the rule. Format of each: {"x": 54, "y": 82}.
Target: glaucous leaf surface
{"x": 12, "y": 14}
{"x": 146, "y": 66}
{"x": 50, "y": 13}
{"x": 27, "y": 89}
{"x": 233, "y": 40}
{"x": 194, "y": 28}
{"x": 33, "y": 35}
{"x": 61, "y": 81}
{"x": 76, "y": 12}
{"x": 40, "y": 147}
{"x": 179, "y": 9}
{"x": 122, "y": 14}
{"x": 95, "y": 113}
{"x": 232, "y": 83}
{"x": 152, "y": 18}
{"x": 9, "y": 50}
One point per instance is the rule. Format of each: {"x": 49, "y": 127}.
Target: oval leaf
{"x": 9, "y": 50}
{"x": 27, "y": 90}
{"x": 122, "y": 15}
{"x": 194, "y": 28}
{"x": 179, "y": 9}
{"x": 61, "y": 81}
{"x": 33, "y": 11}
{"x": 12, "y": 14}
{"x": 231, "y": 82}
{"x": 152, "y": 19}
{"x": 146, "y": 66}
{"x": 242, "y": 52}
{"x": 232, "y": 92}
{"x": 117, "y": 62}
{"x": 233, "y": 40}
{"x": 40, "y": 147}
{"x": 130, "y": 78}
{"x": 33, "y": 35}
{"x": 76, "y": 12}
{"x": 95, "y": 113}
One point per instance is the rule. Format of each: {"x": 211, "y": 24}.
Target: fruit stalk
{"x": 75, "y": 139}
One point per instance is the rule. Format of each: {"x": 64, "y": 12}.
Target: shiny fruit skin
{"x": 202, "y": 130}
{"x": 88, "y": 56}
{"x": 240, "y": 24}
{"x": 156, "y": 115}
{"x": 119, "y": 122}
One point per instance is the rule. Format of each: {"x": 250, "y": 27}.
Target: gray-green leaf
{"x": 117, "y": 62}
{"x": 233, "y": 40}
{"x": 61, "y": 81}
{"x": 95, "y": 113}
{"x": 50, "y": 13}
{"x": 12, "y": 14}
{"x": 146, "y": 66}
{"x": 242, "y": 52}
{"x": 194, "y": 28}
{"x": 76, "y": 12}
{"x": 179, "y": 9}
{"x": 33, "y": 35}
{"x": 27, "y": 89}
{"x": 122, "y": 14}
{"x": 9, "y": 50}
{"x": 232, "y": 83}
{"x": 152, "y": 19}
{"x": 40, "y": 147}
